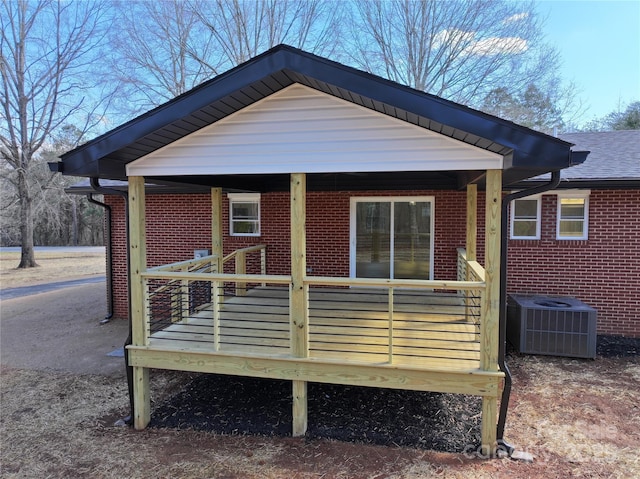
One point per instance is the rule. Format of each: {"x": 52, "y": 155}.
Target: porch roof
{"x": 526, "y": 152}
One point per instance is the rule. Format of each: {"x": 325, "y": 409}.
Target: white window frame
{"x": 243, "y": 198}
{"x": 538, "y": 219}
{"x": 390, "y": 199}
{"x": 573, "y": 194}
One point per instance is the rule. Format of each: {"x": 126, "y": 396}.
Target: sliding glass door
{"x": 392, "y": 237}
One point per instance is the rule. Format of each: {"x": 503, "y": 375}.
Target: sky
{"x": 599, "y": 42}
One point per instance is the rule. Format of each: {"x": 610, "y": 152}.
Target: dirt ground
{"x": 60, "y": 396}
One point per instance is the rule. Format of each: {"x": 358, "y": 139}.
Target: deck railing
{"x": 189, "y": 305}
{"x": 470, "y": 271}
{"x": 392, "y": 321}
{"x": 240, "y": 263}
{"x": 176, "y": 299}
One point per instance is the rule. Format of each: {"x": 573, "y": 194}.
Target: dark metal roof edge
{"x": 284, "y": 57}
{"x": 145, "y": 124}
{"x": 418, "y": 93}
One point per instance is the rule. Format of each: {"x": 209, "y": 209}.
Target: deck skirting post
{"x": 299, "y": 326}
{"x": 138, "y": 265}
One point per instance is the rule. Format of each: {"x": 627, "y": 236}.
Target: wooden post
{"x": 215, "y": 306}
{"x": 241, "y": 268}
{"x": 216, "y": 226}
{"x": 471, "y": 245}
{"x": 138, "y": 264}
{"x": 300, "y": 412}
{"x": 490, "y": 316}
{"x": 217, "y": 251}
{"x": 184, "y": 297}
{"x": 298, "y": 301}
{"x": 472, "y": 222}
{"x": 390, "y": 301}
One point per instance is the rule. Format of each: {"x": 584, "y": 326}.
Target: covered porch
{"x": 289, "y": 121}
{"x": 428, "y": 335}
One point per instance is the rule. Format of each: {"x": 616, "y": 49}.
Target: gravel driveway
{"x": 61, "y": 331}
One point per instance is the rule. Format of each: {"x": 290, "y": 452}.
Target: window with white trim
{"x": 244, "y": 214}
{"x": 525, "y": 218}
{"x": 573, "y": 216}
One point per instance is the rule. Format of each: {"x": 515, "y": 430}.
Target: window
{"x": 392, "y": 237}
{"x": 525, "y": 218}
{"x": 572, "y": 216}
{"x": 244, "y": 214}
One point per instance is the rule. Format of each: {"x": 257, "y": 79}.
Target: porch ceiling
{"x": 527, "y": 153}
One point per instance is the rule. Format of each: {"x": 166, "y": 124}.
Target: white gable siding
{"x": 302, "y": 130}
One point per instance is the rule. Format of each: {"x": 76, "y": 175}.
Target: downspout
{"x": 506, "y": 392}
{"x": 109, "y": 245}
{"x": 95, "y": 184}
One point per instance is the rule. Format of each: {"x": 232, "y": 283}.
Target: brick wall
{"x": 602, "y": 271}
{"x": 179, "y": 224}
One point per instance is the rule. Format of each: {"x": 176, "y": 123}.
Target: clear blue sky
{"x": 599, "y": 41}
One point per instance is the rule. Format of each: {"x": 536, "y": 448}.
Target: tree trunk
{"x": 27, "y": 256}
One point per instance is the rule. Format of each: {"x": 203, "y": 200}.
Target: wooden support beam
{"x": 299, "y": 408}
{"x": 216, "y": 226}
{"x": 490, "y": 325}
{"x": 488, "y": 427}
{"x": 473, "y": 382}
{"x": 472, "y": 223}
{"x": 138, "y": 265}
{"x": 299, "y": 326}
{"x": 299, "y": 301}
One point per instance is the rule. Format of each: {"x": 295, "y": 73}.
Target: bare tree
{"x": 46, "y": 54}
{"x": 164, "y": 48}
{"x": 155, "y": 50}
{"x": 457, "y": 49}
{"x": 623, "y": 118}
{"x": 243, "y": 29}
{"x": 549, "y": 108}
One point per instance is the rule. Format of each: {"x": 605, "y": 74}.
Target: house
{"x": 298, "y": 219}
{"x": 583, "y": 239}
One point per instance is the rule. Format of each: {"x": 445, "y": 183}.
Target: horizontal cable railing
{"x": 349, "y": 319}
{"x": 197, "y": 310}
{"x": 392, "y": 320}
{"x": 471, "y": 271}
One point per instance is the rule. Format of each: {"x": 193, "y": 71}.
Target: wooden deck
{"x": 424, "y": 330}
{"x": 303, "y": 334}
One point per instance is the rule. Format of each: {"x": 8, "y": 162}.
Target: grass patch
{"x": 53, "y": 266}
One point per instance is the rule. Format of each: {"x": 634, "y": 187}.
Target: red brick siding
{"x": 601, "y": 271}
{"x": 179, "y": 224}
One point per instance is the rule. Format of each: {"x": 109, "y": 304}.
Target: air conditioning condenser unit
{"x": 551, "y": 325}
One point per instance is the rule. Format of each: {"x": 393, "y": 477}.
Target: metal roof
{"x": 527, "y": 152}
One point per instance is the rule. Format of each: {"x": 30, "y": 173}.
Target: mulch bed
{"x": 617, "y": 346}
{"x": 239, "y": 405}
